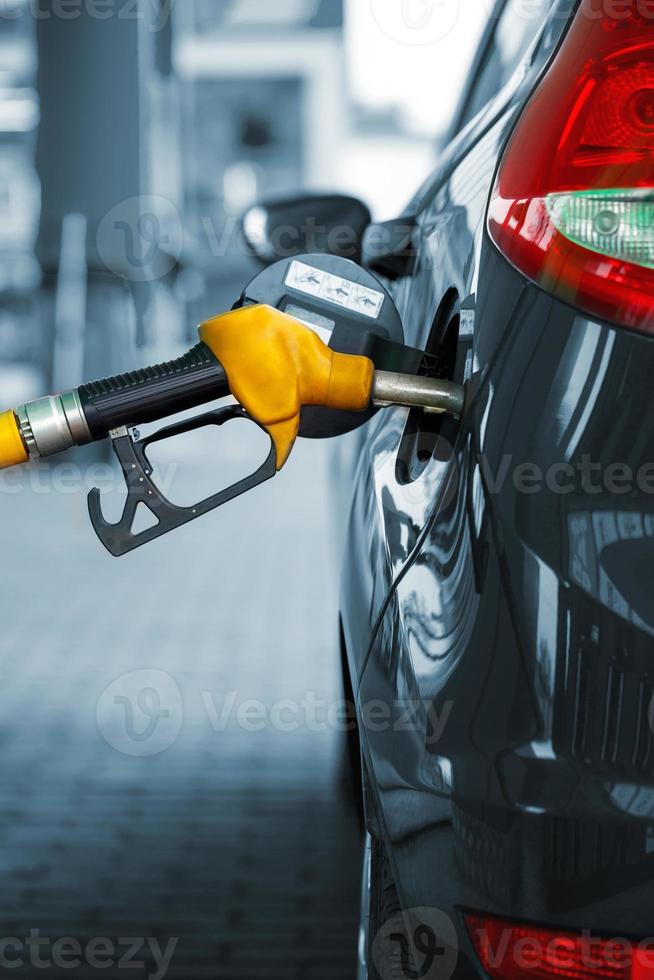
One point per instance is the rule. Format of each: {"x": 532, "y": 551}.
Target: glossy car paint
{"x": 503, "y": 621}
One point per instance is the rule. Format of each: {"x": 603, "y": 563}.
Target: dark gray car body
{"x": 497, "y": 613}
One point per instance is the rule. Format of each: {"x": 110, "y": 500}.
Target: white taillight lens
{"x": 619, "y": 224}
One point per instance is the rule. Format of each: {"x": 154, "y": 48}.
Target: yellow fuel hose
{"x": 12, "y": 448}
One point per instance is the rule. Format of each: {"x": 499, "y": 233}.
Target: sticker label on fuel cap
{"x": 334, "y": 289}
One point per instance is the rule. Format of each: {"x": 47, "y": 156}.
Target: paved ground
{"x": 235, "y": 839}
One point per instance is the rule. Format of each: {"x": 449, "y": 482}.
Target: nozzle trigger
{"x": 120, "y": 538}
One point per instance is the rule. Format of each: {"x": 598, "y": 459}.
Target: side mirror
{"x": 330, "y": 224}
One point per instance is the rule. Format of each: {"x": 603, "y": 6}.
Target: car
{"x": 497, "y": 602}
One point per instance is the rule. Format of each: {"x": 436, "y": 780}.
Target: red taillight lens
{"x": 509, "y": 951}
{"x": 573, "y": 206}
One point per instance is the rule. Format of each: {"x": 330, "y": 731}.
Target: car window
{"x": 516, "y": 26}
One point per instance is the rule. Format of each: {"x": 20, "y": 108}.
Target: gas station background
{"x": 241, "y": 844}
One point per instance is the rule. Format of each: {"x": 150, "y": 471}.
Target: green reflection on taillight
{"x": 618, "y": 223}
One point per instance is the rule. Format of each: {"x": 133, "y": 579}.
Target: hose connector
{"x": 52, "y": 424}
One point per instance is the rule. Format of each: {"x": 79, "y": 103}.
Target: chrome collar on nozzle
{"x": 53, "y": 424}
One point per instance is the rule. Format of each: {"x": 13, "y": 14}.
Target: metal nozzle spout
{"x": 429, "y": 394}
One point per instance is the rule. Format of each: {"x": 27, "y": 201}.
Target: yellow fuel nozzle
{"x": 12, "y": 448}
{"x": 272, "y": 363}
{"x": 275, "y": 365}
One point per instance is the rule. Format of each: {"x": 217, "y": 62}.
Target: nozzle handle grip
{"x": 151, "y": 393}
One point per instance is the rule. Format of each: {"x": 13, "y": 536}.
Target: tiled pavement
{"x": 236, "y": 841}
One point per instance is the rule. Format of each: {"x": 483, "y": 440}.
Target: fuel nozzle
{"x": 274, "y": 365}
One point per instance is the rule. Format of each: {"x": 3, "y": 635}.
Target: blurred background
{"x": 137, "y": 797}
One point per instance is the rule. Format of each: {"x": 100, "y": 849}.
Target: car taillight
{"x": 573, "y": 206}
{"x": 512, "y": 951}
